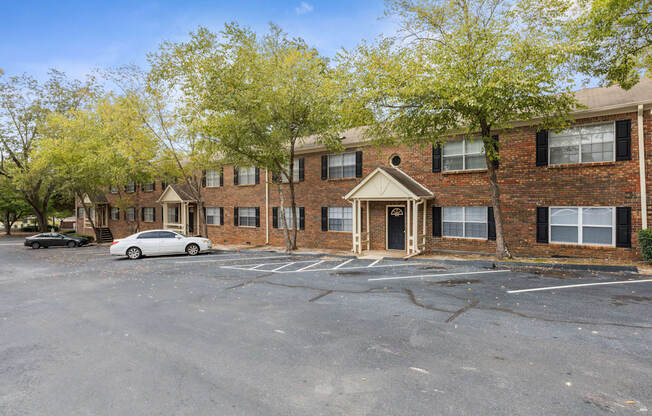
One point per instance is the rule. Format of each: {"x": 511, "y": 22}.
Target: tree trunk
{"x": 502, "y": 250}
{"x": 286, "y": 230}
{"x": 7, "y": 225}
{"x": 42, "y": 220}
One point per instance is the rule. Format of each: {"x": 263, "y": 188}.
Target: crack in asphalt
{"x": 462, "y": 310}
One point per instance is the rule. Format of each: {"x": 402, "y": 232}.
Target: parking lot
{"x": 264, "y": 333}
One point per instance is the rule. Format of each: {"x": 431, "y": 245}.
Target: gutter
{"x": 641, "y": 163}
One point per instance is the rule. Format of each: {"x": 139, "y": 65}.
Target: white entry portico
{"x": 179, "y": 210}
{"x": 405, "y": 198}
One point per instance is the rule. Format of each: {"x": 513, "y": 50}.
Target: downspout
{"x": 641, "y": 164}
{"x": 266, "y": 207}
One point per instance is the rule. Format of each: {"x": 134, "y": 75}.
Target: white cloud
{"x": 303, "y": 8}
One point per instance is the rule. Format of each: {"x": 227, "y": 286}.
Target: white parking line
{"x": 376, "y": 262}
{"x": 11, "y": 244}
{"x": 434, "y": 275}
{"x": 230, "y": 259}
{"x": 311, "y": 265}
{"x": 579, "y": 285}
{"x": 285, "y": 265}
{"x": 342, "y": 264}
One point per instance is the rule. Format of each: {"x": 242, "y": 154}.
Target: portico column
{"x": 165, "y": 215}
{"x": 408, "y": 210}
{"x": 353, "y": 226}
{"x": 415, "y": 227}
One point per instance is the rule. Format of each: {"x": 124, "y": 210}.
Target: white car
{"x": 158, "y": 242}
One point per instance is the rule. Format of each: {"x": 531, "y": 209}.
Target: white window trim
{"x": 252, "y": 175}
{"x": 217, "y": 179}
{"x": 342, "y": 218}
{"x": 328, "y": 165}
{"x": 464, "y": 221}
{"x": 295, "y": 220}
{"x": 153, "y": 213}
{"x": 613, "y": 150}
{"x": 295, "y": 172}
{"x": 463, "y": 154}
{"x": 580, "y": 226}
{"x": 240, "y": 216}
{"x": 111, "y": 214}
{"x": 218, "y": 216}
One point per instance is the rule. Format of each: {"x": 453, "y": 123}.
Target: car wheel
{"x": 71, "y": 244}
{"x": 134, "y": 253}
{"x": 192, "y": 249}
{"x": 36, "y": 245}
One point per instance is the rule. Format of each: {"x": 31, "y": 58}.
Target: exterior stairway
{"x": 105, "y": 235}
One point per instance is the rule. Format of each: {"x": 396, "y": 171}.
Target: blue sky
{"x": 78, "y": 36}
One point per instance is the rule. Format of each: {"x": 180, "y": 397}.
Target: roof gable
{"x": 388, "y": 184}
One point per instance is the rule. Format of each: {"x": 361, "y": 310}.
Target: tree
{"x": 24, "y": 105}
{"x": 93, "y": 149}
{"x": 614, "y": 39}
{"x": 253, "y": 99}
{"x": 468, "y": 67}
{"x": 12, "y": 205}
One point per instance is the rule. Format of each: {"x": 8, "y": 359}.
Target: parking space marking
{"x": 374, "y": 263}
{"x": 342, "y": 264}
{"x": 310, "y": 265}
{"x": 230, "y": 259}
{"x": 537, "y": 289}
{"x": 434, "y": 275}
{"x": 285, "y": 265}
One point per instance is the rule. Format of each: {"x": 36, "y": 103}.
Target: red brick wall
{"x": 524, "y": 186}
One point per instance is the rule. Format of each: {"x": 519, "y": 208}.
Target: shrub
{"x": 29, "y": 228}
{"x": 645, "y": 242}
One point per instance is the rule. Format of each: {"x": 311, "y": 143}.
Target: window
{"x": 113, "y": 189}
{"x": 341, "y": 166}
{"x": 149, "y": 187}
{"x": 395, "y": 160}
{"x": 340, "y": 218}
{"x": 130, "y": 187}
{"x": 289, "y": 216}
{"x": 173, "y": 215}
{"x": 212, "y": 178}
{"x": 464, "y": 222}
{"x": 247, "y": 217}
{"x": 213, "y": 215}
{"x": 131, "y": 214}
{"x": 167, "y": 234}
{"x": 115, "y": 213}
{"x": 295, "y": 172}
{"x": 246, "y": 176}
{"x": 464, "y": 154}
{"x": 80, "y": 212}
{"x": 148, "y": 214}
{"x": 582, "y": 225}
{"x": 582, "y": 144}
{"x": 150, "y": 234}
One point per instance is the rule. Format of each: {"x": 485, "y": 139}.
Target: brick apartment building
{"x": 580, "y": 192}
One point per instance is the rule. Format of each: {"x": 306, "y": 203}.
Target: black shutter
{"x": 142, "y": 214}
{"x": 163, "y": 185}
{"x": 257, "y": 176}
{"x": 154, "y": 214}
{"x": 203, "y": 179}
{"x": 302, "y": 218}
{"x": 176, "y": 213}
{"x": 222, "y": 176}
{"x": 491, "y": 224}
{"x": 221, "y": 215}
{"x": 542, "y": 224}
{"x": 205, "y": 218}
{"x": 542, "y": 148}
{"x": 324, "y": 167}
{"x": 495, "y": 144}
{"x": 624, "y": 139}
{"x": 301, "y": 169}
{"x": 324, "y": 218}
{"x": 257, "y": 216}
{"x": 436, "y": 221}
{"x": 235, "y": 175}
{"x": 275, "y": 217}
{"x": 235, "y": 216}
{"x": 358, "y": 164}
{"x": 623, "y": 227}
{"x": 436, "y": 157}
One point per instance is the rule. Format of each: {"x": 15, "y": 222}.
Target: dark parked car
{"x": 53, "y": 240}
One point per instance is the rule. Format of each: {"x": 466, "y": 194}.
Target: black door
{"x": 396, "y": 228}
{"x": 191, "y": 222}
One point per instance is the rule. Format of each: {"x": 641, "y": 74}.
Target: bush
{"x": 645, "y": 242}
{"x": 29, "y": 228}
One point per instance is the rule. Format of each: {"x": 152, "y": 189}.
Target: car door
{"x": 148, "y": 242}
{"x": 48, "y": 240}
{"x": 59, "y": 239}
{"x": 172, "y": 243}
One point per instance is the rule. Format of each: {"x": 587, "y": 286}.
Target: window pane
{"x": 597, "y": 235}
{"x": 474, "y": 146}
{"x": 453, "y": 229}
{"x": 561, "y": 155}
{"x": 453, "y": 163}
{"x": 476, "y": 214}
{"x": 563, "y": 216}
{"x": 453, "y": 214}
{"x": 476, "y": 162}
{"x": 335, "y": 172}
{"x": 560, "y": 234}
{"x": 453, "y": 147}
{"x": 597, "y": 216}
{"x": 334, "y": 160}
{"x": 476, "y": 230}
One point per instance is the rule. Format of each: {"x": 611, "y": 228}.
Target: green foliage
{"x": 645, "y": 243}
{"x": 614, "y": 39}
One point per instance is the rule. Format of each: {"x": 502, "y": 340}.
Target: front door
{"x": 191, "y": 221}
{"x": 396, "y": 228}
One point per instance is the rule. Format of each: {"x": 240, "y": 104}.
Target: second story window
{"x": 341, "y": 166}
{"x": 582, "y": 144}
{"x": 149, "y": 187}
{"x": 130, "y": 187}
{"x": 113, "y": 189}
{"x": 212, "y": 178}
{"x": 464, "y": 155}
{"x": 246, "y": 176}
